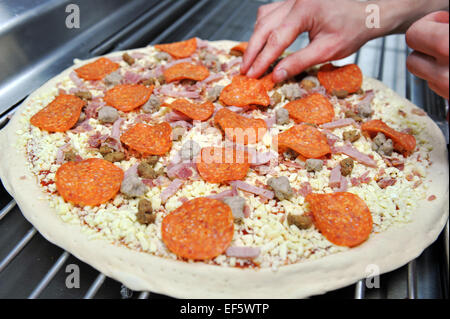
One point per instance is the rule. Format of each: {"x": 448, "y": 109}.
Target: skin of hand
{"x": 336, "y": 30}
{"x": 429, "y": 38}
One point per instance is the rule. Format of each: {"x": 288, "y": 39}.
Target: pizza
{"x": 166, "y": 169}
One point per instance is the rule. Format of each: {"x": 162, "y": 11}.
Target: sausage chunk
{"x": 281, "y": 187}
{"x": 282, "y": 116}
{"x": 309, "y": 82}
{"x": 114, "y": 156}
{"x": 189, "y": 150}
{"x": 346, "y": 166}
{"x": 152, "y": 105}
{"x": 365, "y": 110}
{"x": 340, "y": 94}
{"x": 275, "y": 99}
{"x": 128, "y": 58}
{"x": 145, "y": 170}
{"x": 291, "y": 91}
{"x": 104, "y": 149}
{"x": 353, "y": 115}
{"x": 237, "y": 205}
{"x": 382, "y": 145}
{"x": 301, "y": 221}
{"x": 113, "y": 78}
{"x": 210, "y": 61}
{"x": 162, "y": 56}
{"x": 84, "y": 95}
{"x": 351, "y": 136}
{"x": 152, "y": 160}
{"x": 70, "y": 156}
{"x": 314, "y": 165}
{"x": 214, "y": 93}
{"x": 132, "y": 186}
{"x": 145, "y": 213}
{"x": 108, "y": 114}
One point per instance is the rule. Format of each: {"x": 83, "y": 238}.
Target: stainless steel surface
{"x": 30, "y": 265}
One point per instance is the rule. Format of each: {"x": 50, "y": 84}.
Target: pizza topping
{"x": 346, "y": 166}
{"x": 305, "y": 140}
{"x": 199, "y": 112}
{"x": 146, "y": 170}
{"x": 90, "y": 182}
{"x": 293, "y": 91}
{"x": 132, "y": 185}
{"x": 244, "y": 91}
{"x": 349, "y": 150}
{"x": 177, "y": 133}
{"x": 282, "y": 116}
{"x": 346, "y": 78}
{"x": 239, "y": 50}
{"x": 351, "y": 136}
{"x": 145, "y": 213}
{"x": 185, "y": 70}
{"x": 236, "y": 204}
{"x": 218, "y": 165}
{"x": 128, "y": 58}
{"x": 403, "y": 142}
{"x": 314, "y": 108}
{"x": 243, "y": 252}
{"x": 343, "y": 218}
{"x": 385, "y": 182}
{"x": 127, "y": 97}
{"x": 189, "y": 150}
{"x": 147, "y": 139}
{"x": 60, "y": 115}
{"x": 364, "y": 107}
{"x": 339, "y": 123}
{"x": 313, "y": 165}
{"x": 200, "y": 229}
{"x": 300, "y": 221}
{"x": 108, "y": 114}
{"x": 281, "y": 187}
{"x": 352, "y": 115}
{"x": 84, "y": 95}
{"x": 152, "y": 105}
{"x": 253, "y": 189}
{"x": 335, "y": 177}
{"x": 113, "y": 78}
{"x": 97, "y": 70}
{"x": 114, "y": 157}
{"x": 178, "y": 50}
{"x": 382, "y": 146}
{"x": 214, "y": 93}
{"x": 173, "y": 187}
{"x": 240, "y": 129}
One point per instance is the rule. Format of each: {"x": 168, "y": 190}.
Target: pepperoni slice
{"x": 403, "y": 142}
{"x": 239, "y": 49}
{"x": 186, "y": 70}
{"x": 127, "y": 97}
{"x": 90, "y": 182}
{"x": 179, "y": 50}
{"x": 60, "y": 115}
{"x": 201, "y": 228}
{"x": 218, "y": 165}
{"x": 267, "y": 82}
{"x": 343, "y": 218}
{"x": 199, "y": 112}
{"x": 314, "y": 108}
{"x": 244, "y": 91}
{"x": 240, "y": 129}
{"x": 346, "y": 78}
{"x": 305, "y": 140}
{"x": 97, "y": 70}
{"x": 147, "y": 139}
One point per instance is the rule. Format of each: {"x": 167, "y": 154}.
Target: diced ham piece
{"x": 293, "y": 164}
{"x": 343, "y": 185}
{"x": 170, "y": 64}
{"x": 305, "y": 189}
{"x": 76, "y": 80}
{"x": 174, "y": 117}
{"x": 270, "y": 121}
{"x": 385, "y": 182}
{"x": 246, "y": 211}
{"x": 243, "y": 252}
{"x": 171, "y": 189}
{"x": 170, "y": 91}
{"x": 363, "y": 179}
{"x": 212, "y": 78}
{"x": 82, "y": 127}
{"x": 115, "y": 130}
{"x": 222, "y": 195}
{"x": 131, "y": 78}
{"x": 92, "y": 107}
{"x": 339, "y": 123}
{"x": 253, "y": 189}
{"x": 183, "y": 124}
{"x": 132, "y": 171}
{"x": 138, "y": 55}
{"x": 259, "y": 158}
{"x": 232, "y": 63}
{"x": 181, "y": 170}
{"x": 96, "y": 139}
{"x": 60, "y": 153}
{"x": 335, "y": 177}
{"x": 431, "y": 198}
{"x": 355, "y": 154}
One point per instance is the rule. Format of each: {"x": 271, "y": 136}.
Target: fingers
{"x": 430, "y": 37}
{"x": 318, "y": 51}
{"x": 440, "y": 89}
{"x": 263, "y": 28}
{"x": 438, "y": 16}
{"x": 267, "y": 8}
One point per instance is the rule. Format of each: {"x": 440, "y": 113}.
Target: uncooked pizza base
{"x": 144, "y": 272}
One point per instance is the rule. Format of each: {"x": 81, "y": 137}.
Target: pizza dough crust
{"x": 388, "y": 250}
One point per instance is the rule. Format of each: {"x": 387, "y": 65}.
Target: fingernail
{"x": 280, "y": 75}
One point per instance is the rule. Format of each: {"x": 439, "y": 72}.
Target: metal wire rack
{"x": 34, "y": 268}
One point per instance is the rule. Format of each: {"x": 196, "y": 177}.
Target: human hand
{"x": 429, "y": 38}
{"x": 335, "y": 32}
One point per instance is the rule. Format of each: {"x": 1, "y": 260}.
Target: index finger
{"x": 261, "y": 33}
